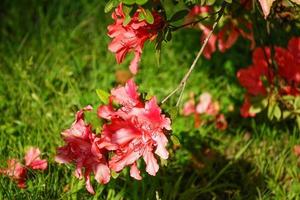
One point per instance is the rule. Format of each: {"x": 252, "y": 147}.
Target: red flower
{"x": 251, "y": 77}
{"x": 136, "y": 128}
{"x": 18, "y": 172}
{"x": 131, "y": 37}
{"x": 288, "y": 61}
{"x": 80, "y": 149}
{"x": 245, "y": 109}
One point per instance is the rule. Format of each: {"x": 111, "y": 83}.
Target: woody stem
{"x": 182, "y": 84}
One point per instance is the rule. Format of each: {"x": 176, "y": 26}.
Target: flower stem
{"x": 182, "y": 84}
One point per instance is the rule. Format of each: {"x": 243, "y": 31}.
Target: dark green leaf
{"x": 179, "y": 15}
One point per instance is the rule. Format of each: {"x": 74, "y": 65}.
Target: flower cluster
{"x": 132, "y": 129}
{"x": 259, "y": 78}
{"x": 226, "y": 37}
{"x": 132, "y": 36}
{"x": 18, "y": 172}
{"x": 205, "y": 106}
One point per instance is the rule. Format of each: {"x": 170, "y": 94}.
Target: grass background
{"x": 53, "y": 56}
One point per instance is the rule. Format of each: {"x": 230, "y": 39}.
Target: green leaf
{"x": 163, "y": 162}
{"x": 255, "y": 109}
{"x": 286, "y": 114}
{"x": 298, "y": 121}
{"x": 179, "y": 15}
{"x": 103, "y": 96}
{"x": 173, "y": 112}
{"x": 129, "y": 2}
{"x": 228, "y": 1}
{"x": 126, "y": 11}
{"x": 297, "y": 103}
{"x": 114, "y": 174}
{"x": 274, "y": 111}
{"x": 110, "y": 5}
{"x": 210, "y": 2}
{"x": 158, "y": 56}
{"x": 277, "y": 112}
{"x": 258, "y": 104}
{"x": 147, "y": 15}
{"x": 141, "y": 2}
{"x": 175, "y": 140}
{"x": 169, "y": 35}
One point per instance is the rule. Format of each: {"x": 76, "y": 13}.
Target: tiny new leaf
{"x": 103, "y": 96}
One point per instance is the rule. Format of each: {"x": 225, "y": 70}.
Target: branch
{"x": 182, "y": 83}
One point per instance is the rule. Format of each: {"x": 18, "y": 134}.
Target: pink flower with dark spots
{"x": 132, "y": 36}
{"x": 81, "y": 150}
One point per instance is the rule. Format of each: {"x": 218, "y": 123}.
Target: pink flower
{"x": 18, "y": 172}
{"x": 81, "y": 150}
{"x": 136, "y": 128}
{"x": 189, "y": 107}
{"x": 33, "y": 160}
{"x": 206, "y": 105}
{"x": 131, "y": 37}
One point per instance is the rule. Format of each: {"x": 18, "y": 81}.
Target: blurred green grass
{"x": 53, "y": 56}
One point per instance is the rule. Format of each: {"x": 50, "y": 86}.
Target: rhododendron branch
{"x": 182, "y": 83}
{"x": 193, "y": 23}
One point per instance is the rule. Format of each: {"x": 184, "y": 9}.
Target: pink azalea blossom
{"x": 137, "y": 128}
{"x": 131, "y": 37}
{"x": 33, "y": 160}
{"x": 189, "y": 107}
{"x": 18, "y": 172}
{"x": 81, "y": 150}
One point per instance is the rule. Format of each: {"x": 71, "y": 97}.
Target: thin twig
{"x": 187, "y": 75}
{"x": 175, "y": 28}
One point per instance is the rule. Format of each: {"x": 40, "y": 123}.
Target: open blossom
{"x": 137, "y": 128}
{"x": 18, "y": 172}
{"x": 131, "y": 37}
{"x": 256, "y": 78}
{"x": 205, "y": 106}
{"x": 80, "y": 149}
{"x": 288, "y": 61}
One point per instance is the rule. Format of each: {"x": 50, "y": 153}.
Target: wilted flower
{"x": 18, "y": 172}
